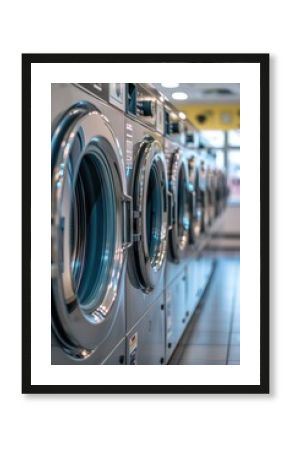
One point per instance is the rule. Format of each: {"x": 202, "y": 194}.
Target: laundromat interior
{"x": 145, "y": 224}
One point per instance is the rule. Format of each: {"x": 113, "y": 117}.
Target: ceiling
{"x": 203, "y": 93}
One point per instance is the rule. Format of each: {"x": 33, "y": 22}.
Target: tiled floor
{"x": 226, "y": 230}
{"x": 213, "y": 336}
{"x": 228, "y": 222}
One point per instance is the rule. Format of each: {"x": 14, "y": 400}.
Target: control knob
{"x": 146, "y": 108}
{"x": 174, "y": 127}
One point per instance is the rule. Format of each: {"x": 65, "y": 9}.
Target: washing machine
{"x": 211, "y": 187}
{"x": 91, "y": 223}
{"x": 202, "y": 266}
{"x": 195, "y": 210}
{"x": 178, "y": 185}
{"x": 177, "y": 312}
{"x": 195, "y": 221}
{"x": 147, "y": 184}
{"x": 222, "y": 191}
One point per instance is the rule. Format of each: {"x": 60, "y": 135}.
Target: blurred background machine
{"x": 212, "y": 111}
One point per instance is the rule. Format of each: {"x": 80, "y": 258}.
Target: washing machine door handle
{"x": 127, "y": 203}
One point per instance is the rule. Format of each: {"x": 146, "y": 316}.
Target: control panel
{"x": 159, "y": 117}
{"x": 113, "y": 93}
{"x": 172, "y": 123}
{"x": 189, "y": 138}
{"x": 117, "y": 95}
{"x": 142, "y": 105}
{"x": 100, "y": 90}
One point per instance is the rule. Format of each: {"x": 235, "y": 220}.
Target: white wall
{"x": 143, "y": 422}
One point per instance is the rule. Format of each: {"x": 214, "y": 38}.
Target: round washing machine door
{"x": 150, "y": 214}
{"x": 211, "y": 197}
{"x": 179, "y": 187}
{"x": 89, "y": 215}
{"x": 204, "y": 197}
{"x": 198, "y": 228}
{"x": 194, "y": 206}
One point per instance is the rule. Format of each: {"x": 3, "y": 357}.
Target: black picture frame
{"x": 263, "y": 61}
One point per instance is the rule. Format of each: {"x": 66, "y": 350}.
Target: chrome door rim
{"x": 195, "y": 211}
{"x": 81, "y": 332}
{"x": 151, "y": 157}
{"x": 178, "y": 244}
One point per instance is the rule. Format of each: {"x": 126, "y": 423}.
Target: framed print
{"x": 145, "y": 214}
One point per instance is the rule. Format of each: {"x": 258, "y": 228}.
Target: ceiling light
{"x": 179, "y": 96}
{"x": 170, "y": 85}
{"x": 182, "y": 115}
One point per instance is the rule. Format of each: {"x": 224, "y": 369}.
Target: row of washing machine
{"x": 132, "y": 197}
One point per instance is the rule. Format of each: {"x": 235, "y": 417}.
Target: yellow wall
{"x": 214, "y": 115}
